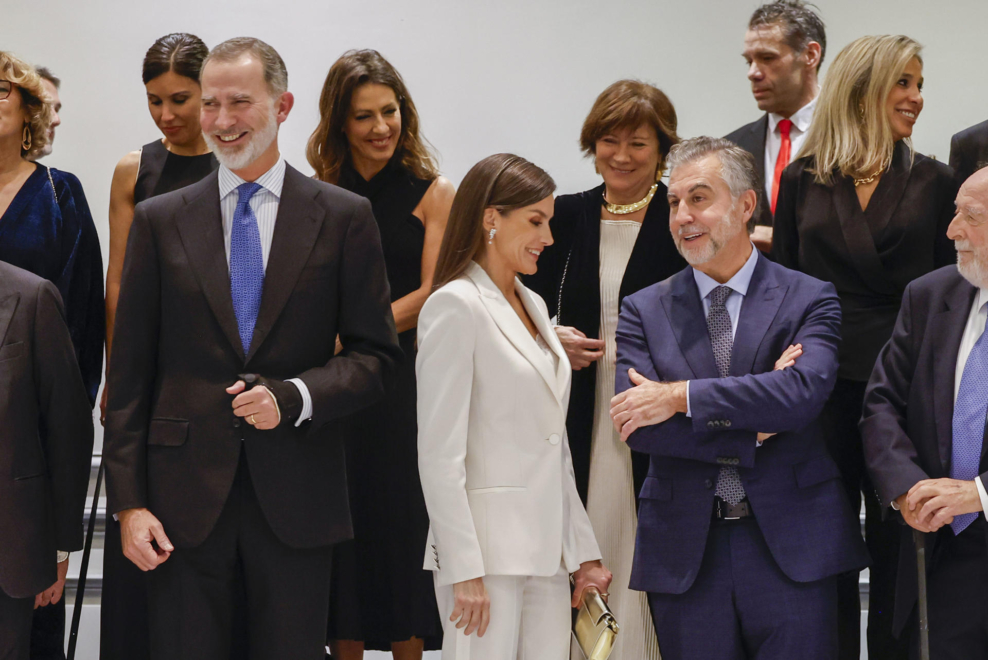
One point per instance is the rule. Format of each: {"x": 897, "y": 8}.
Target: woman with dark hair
{"x": 368, "y": 142}
{"x": 507, "y": 525}
{"x": 46, "y": 228}
{"x": 611, "y": 241}
{"x": 181, "y": 158}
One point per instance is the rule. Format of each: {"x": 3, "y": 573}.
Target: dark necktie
{"x": 729, "y": 486}
{"x": 970, "y": 411}
{"x": 246, "y": 264}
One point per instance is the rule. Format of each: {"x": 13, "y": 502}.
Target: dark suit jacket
{"x": 969, "y": 151}
{"x": 792, "y": 483}
{"x": 47, "y": 434}
{"x": 569, "y": 273}
{"x": 172, "y": 441}
{"x": 869, "y": 256}
{"x": 751, "y": 138}
{"x": 907, "y": 425}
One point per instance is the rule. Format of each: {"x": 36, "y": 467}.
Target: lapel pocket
{"x": 168, "y": 432}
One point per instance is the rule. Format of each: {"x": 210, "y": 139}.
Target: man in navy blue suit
{"x": 743, "y": 524}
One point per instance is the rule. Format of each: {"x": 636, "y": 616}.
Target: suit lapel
{"x": 690, "y": 325}
{"x": 759, "y": 133}
{"x": 200, "y": 227}
{"x": 296, "y": 228}
{"x": 947, "y": 328}
{"x": 563, "y": 371}
{"x": 758, "y": 311}
{"x": 858, "y": 238}
{"x": 889, "y": 191}
{"x": 8, "y": 306}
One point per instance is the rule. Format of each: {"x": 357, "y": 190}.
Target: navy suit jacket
{"x": 792, "y": 483}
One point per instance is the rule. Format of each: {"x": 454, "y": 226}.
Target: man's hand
{"x": 53, "y": 594}
{"x": 786, "y": 360}
{"x": 472, "y": 606}
{"x": 143, "y": 539}
{"x": 590, "y": 574}
{"x": 646, "y": 404}
{"x": 934, "y": 503}
{"x": 582, "y": 352}
{"x": 256, "y": 404}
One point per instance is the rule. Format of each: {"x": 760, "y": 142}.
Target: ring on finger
{"x": 251, "y": 419}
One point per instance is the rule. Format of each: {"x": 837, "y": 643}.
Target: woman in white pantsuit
{"x": 507, "y": 523}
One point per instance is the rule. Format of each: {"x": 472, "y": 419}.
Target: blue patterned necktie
{"x": 729, "y": 486}
{"x": 246, "y": 264}
{"x": 970, "y": 412}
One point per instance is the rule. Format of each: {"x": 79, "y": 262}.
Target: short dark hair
{"x": 46, "y": 74}
{"x": 798, "y": 21}
{"x": 179, "y": 52}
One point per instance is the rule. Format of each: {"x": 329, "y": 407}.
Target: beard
{"x": 975, "y": 268}
{"x": 244, "y": 155}
{"x": 720, "y": 234}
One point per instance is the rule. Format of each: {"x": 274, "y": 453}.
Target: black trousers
{"x": 840, "y": 424}
{"x": 48, "y": 632}
{"x": 242, "y": 569}
{"x": 15, "y": 627}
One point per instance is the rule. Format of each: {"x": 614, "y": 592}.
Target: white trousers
{"x": 530, "y": 620}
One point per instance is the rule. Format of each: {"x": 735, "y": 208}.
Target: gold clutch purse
{"x": 595, "y": 628}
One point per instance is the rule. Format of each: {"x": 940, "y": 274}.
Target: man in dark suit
{"x": 784, "y": 48}
{"x": 44, "y": 455}
{"x": 969, "y": 150}
{"x": 924, "y": 435}
{"x": 740, "y": 533}
{"x": 221, "y": 489}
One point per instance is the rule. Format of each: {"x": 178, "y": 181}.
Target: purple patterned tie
{"x": 729, "y": 486}
{"x": 246, "y": 264}
{"x": 970, "y": 411}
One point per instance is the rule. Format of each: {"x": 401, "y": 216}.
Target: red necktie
{"x": 785, "y": 153}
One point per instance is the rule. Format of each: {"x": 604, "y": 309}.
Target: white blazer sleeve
{"x": 579, "y": 542}
{"x": 444, "y": 369}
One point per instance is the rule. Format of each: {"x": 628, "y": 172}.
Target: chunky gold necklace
{"x": 868, "y": 179}
{"x": 624, "y": 209}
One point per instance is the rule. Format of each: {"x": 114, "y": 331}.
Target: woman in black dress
{"x": 171, "y": 78}
{"x": 861, "y": 209}
{"x": 368, "y": 142}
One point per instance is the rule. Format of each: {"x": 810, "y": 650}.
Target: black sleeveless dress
{"x": 380, "y": 593}
{"x": 124, "y": 601}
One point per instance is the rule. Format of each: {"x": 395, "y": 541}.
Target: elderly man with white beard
{"x": 224, "y": 466}
{"x": 924, "y": 435}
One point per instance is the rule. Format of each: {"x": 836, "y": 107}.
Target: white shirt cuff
{"x": 306, "y": 400}
{"x": 982, "y": 494}
{"x": 689, "y": 411}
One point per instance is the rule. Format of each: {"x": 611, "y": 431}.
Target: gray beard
{"x": 250, "y": 152}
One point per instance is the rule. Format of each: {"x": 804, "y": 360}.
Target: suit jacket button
{"x": 711, "y": 424}
{"x": 727, "y": 423}
{"x": 708, "y": 483}
{"x": 236, "y": 423}
{"x": 735, "y": 461}
{"x": 554, "y": 439}
{"x": 721, "y": 460}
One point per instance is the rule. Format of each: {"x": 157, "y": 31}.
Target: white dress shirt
{"x": 773, "y": 140}
{"x": 972, "y": 331}
{"x": 264, "y": 204}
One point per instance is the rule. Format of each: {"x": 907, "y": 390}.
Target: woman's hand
{"x": 591, "y": 574}
{"x": 582, "y": 352}
{"x": 472, "y": 606}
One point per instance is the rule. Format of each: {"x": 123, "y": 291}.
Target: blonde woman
{"x": 861, "y": 209}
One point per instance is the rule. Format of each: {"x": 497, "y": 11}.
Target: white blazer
{"x": 494, "y": 461}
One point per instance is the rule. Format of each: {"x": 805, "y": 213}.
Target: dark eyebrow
{"x": 699, "y": 185}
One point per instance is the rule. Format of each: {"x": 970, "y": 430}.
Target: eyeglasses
{"x": 5, "y": 87}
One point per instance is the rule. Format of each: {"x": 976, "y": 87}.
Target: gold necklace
{"x": 624, "y": 209}
{"x": 868, "y": 179}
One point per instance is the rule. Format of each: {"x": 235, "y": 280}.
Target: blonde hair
{"x": 851, "y": 131}
{"x": 34, "y": 99}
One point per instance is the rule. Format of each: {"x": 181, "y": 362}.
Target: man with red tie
{"x": 784, "y": 47}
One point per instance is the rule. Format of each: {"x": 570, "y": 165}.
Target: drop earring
{"x": 490, "y": 236}
{"x": 26, "y": 138}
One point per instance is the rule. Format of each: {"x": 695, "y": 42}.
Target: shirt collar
{"x": 801, "y": 120}
{"x": 739, "y": 283}
{"x": 982, "y": 298}
{"x": 273, "y": 180}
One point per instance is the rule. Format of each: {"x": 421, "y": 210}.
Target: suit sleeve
{"x": 890, "y": 454}
{"x": 360, "y": 374}
{"x": 785, "y": 236}
{"x": 444, "y": 370}
{"x": 579, "y": 541}
{"x": 778, "y": 401}
{"x": 133, "y": 370}
{"x": 66, "y": 418}
{"x": 944, "y": 252}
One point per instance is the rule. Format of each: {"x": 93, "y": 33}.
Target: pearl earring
{"x": 490, "y": 236}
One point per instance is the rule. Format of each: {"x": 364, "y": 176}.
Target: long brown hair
{"x": 504, "y": 182}
{"x": 328, "y": 148}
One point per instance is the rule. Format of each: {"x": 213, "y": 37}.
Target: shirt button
{"x": 554, "y": 439}
{"x": 708, "y": 483}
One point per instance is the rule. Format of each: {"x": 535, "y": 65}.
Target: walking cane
{"x": 919, "y": 538}
{"x": 84, "y": 568}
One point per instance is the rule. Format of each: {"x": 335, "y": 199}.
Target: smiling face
{"x": 174, "y": 102}
{"x": 628, "y": 160}
{"x": 373, "y": 126}
{"x": 521, "y": 236}
{"x": 905, "y": 101}
{"x": 706, "y": 223}
{"x": 779, "y": 76}
{"x": 239, "y": 117}
{"x": 969, "y": 229}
